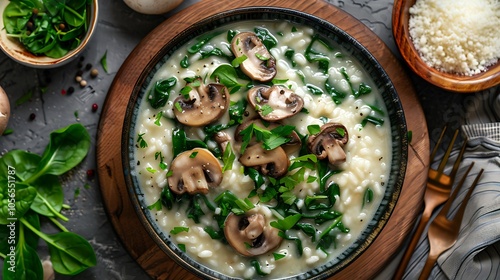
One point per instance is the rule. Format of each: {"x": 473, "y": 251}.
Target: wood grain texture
{"x": 109, "y": 162}
{"x": 451, "y": 82}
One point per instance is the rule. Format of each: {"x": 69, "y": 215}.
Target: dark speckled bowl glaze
{"x": 332, "y": 33}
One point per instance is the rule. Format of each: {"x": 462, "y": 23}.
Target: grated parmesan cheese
{"x": 456, "y": 36}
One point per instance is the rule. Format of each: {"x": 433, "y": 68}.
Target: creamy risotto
{"x": 262, "y": 149}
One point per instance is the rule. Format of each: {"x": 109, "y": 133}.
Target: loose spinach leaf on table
{"x": 27, "y": 262}
{"x": 17, "y": 194}
{"x": 67, "y": 148}
{"x": 69, "y": 252}
{"x": 34, "y": 181}
{"x": 50, "y": 196}
{"x": 25, "y": 164}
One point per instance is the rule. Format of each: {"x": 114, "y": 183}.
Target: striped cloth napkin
{"x": 476, "y": 255}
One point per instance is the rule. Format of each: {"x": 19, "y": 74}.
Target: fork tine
{"x": 448, "y": 152}
{"x": 460, "y": 213}
{"x": 459, "y": 160}
{"x": 438, "y": 143}
{"x": 452, "y": 197}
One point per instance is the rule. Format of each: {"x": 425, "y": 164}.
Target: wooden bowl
{"x": 447, "y": 81}
{"x": 15, "y": 50}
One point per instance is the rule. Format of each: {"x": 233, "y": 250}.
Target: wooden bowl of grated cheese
{"x": 452, "y": 44}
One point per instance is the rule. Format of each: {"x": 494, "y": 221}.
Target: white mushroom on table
{"x": 4, "y": 110}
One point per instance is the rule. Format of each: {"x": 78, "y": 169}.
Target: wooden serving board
{"x": 109, "y": 162}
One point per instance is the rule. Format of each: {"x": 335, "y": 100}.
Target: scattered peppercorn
{"x": 78, "y": 79}
{"x": 71, "y": 90}
{"x": 29, "y": 25}
{"x": 90, "y": 173}
{"x": 94, "y": 73}
{"x": 32, "y": 116}
{"x": 94, "y": 107}
{"x": 83, "y": 83}
{"x": 88, "y": 66}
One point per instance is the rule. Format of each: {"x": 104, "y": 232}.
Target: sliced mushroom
{"x": 273, "y": 163}
{"x": 206, "y": 103}
{"x": 329, "y": 143}
{"x": 290, "y": 147}
{"x": 259, "y": 64}
{"x": 194, "y": 171}
{"x": 223, "y": 139}
{"x": 275, "y": 103}
{"x": 251, "y": 235}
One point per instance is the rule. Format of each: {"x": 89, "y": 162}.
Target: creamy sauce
{"x": 367, "y": 165}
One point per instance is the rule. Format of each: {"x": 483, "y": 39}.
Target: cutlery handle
{"x": 409, "y": 251}
{"x": 429, "y": 264}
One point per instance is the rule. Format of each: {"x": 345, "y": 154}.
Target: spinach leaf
{"x": 49, "y": 198}
{"x": 266, "y": 37}
{"x": 158, "y": 95}
{"x": 25, "y": 164}
{"x": 367, "y": 197}
{"x": 67, "y": 148}
{"x": 15, "y": 200}
{"x": 227, "y": 75}
{"x": 69, "y": 252}
{"x": 27, "y": 262}
{"x": 313, "y": 55}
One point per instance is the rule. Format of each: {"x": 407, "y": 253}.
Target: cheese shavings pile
{"x": 456, "y": 36}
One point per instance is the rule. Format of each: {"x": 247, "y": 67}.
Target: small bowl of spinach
{"x": 46, "y": 33}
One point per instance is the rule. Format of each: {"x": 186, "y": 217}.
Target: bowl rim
{"x": 448, "y": 81}
{"x": 128, "y": 136}
{"x": 15, "y": 50}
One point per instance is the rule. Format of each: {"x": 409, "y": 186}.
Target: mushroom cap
{"x": 260, "y": 65}
{"x": 284, "y": 102}
{"x": 250, "y": 235}
{"x": 290, "y": 147}
{"x": 194, "y": 171}
{"x": 329, "y": 143}
{"x": 273, "y": 163}
{"x": 4, "y": 110}
{"x": 206, "y": 104}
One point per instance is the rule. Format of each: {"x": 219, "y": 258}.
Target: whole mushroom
{"x": 259, "y": 64}
{"x": 194, "y": 171}
{"x": 206, "y": 104}
{"x": 152, "y": 7}
{"x": 329, "y": 143}
{"x": 4, "y": 110}
{"x": 251, "y": 235}
{"x": 283, "y": 102}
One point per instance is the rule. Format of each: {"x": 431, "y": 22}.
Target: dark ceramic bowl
{"x": 354, "y": 48}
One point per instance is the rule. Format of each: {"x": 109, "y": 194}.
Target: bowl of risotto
{"x": 264, "y": 143}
